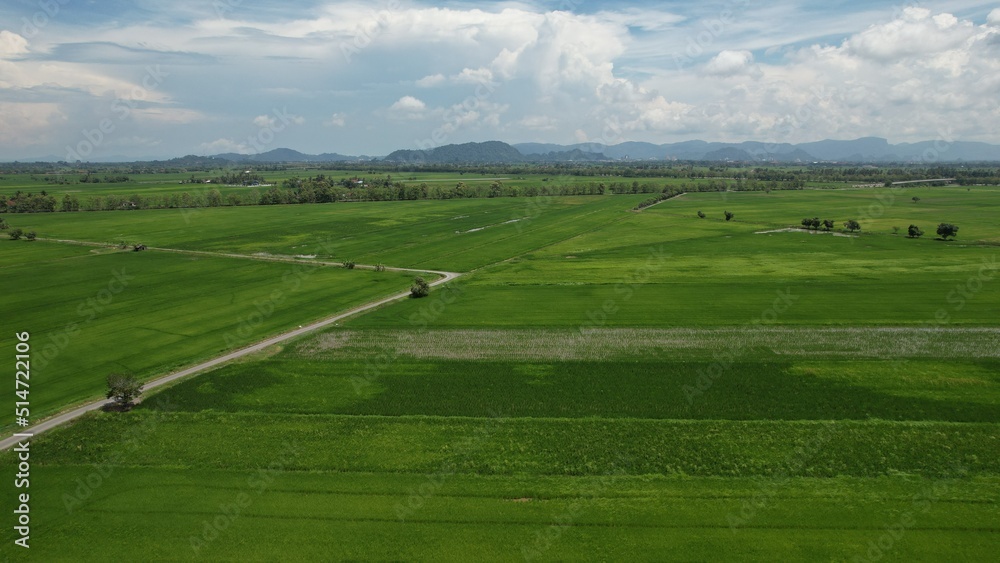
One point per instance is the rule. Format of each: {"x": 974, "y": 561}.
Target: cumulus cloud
{"x": 916, "y": 32}
{"x": 408, "y": 107}
{"x": 728, "y": 63}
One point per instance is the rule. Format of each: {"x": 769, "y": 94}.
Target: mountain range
{"x": 864, "y": 150}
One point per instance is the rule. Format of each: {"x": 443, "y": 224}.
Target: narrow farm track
{"x": 77, "y": 412}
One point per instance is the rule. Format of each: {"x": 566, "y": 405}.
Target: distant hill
{"x": 485, "y": 153}
{"x": 868, "y": 149}
{"x": 288, "y": 155}
{"x": 864, "y": 150}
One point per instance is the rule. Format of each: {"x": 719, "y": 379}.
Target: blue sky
{"x": 109, "y": 78}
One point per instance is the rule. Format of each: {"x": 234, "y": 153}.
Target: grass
{"x": 314, "y": 516}
{"x": 94, "y": 312}
{"x": 731, "y": 395}
{"x": 753, "y": 377}
{"x": 450, "y": 235}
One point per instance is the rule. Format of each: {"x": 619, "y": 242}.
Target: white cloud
{"x": 336, "y": 120}
{"x": 225, "y": 146}
{"x": 12, "y": 44}
{"x": 915, "y": 32}
{"x": 994, "y": 17}
{"x": 728, "y": 63}
{"x": 431, "y": 80}
{"x": 408, "y": 108}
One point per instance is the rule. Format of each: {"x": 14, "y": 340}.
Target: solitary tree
{"x": 852, "y": 225}
{"x": 827, "y": 224}
{"x": 701, "y": 214}
{"x": 730, "y": 215}
{"x": 914, "y": 232}
{"x": 124, "y": 389}
{"x": 420, "y": 288}
{"x": 946, "y": 230}
{"x": 915, "y": 199}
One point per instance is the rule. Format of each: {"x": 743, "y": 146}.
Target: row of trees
{"x": 944, "y": 230}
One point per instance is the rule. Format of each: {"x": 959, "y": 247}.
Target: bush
{"x": 946, "y": 230}
{"x": 15, "y": 234}
{"x": 349, "y": 264}
{"x": 420, "y": 288}
{"x": 31, "y": 235}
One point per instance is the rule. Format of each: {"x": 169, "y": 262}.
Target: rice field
{"x": 601, "y": 384}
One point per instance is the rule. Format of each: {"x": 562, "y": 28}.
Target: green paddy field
{"x": 599, "y": 384}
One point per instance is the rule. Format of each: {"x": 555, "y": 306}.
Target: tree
{"x": 815, "y": 223}
{"x": 915, "y": 199}
{"x": 3, "y": 224}
{"x": 730, "y": 215}
{"x": 914, "y": 231}
{"x": 701, "y": 214}
{"x": 827, "y": 224}
{"x": 420, "y": 288}
{"x": 946, "y": 230}
{"x": 124, "y": 389}
{"x": 852, "y": 225}
{"x": 895, "y": 230}
{"x": 807, "y": 222}
{"x": 31, "y": 235}
{"x": 15, "y": 234}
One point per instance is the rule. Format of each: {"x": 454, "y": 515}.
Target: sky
{"x": 99, "y": 79}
